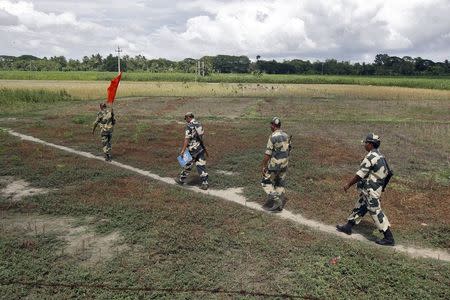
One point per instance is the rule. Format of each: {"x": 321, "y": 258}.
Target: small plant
{"x": 80, "y": 120}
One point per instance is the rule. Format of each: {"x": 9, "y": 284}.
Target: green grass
{"x": 27, "y": 101}
{"x": 181, "y": 241}
{"x": 441, "y": 83}
{"x": 13, "y": 96}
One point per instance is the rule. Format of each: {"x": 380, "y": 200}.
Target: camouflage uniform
{"x": 373, "y": 171}
{"x": 107, "y": 121}
{"x": 194, "y": 132}
{"x": 273, "y": 181}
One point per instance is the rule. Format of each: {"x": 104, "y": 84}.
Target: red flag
{"x": 113, "y": 88}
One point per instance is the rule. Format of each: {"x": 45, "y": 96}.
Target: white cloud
{"x": 311, "y": 29}
{"x": 7, "y": 19}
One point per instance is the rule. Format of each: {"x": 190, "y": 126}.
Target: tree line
{"x": 383, "y": 64}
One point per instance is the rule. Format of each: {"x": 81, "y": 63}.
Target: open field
{"x": 88, "y": 90}
{"x": 154, "y": 235}
{"x": 438, "y": 82}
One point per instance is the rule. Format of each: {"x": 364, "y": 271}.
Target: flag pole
{"x": 118, "y": 58}
{"x": 118, "y": 63}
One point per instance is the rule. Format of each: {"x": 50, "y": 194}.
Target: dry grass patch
{"x": 97, "y": 90}
{"x": 15, "y": 190}
{"x": 82, "y": 242}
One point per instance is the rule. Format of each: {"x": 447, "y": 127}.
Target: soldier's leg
{"x": 184, "y": 173}
{"x": 279, "y": 188}
{"x": 106, "y": 142}
{"x": 200, "y": 163}
{"x": 359, "y": 211}
{"x": 381, "y": 221}
{"x": 356, "y": 216}
{"x": 267, "y": 184}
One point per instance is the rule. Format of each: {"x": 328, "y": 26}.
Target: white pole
{"x": 118, "y": 58}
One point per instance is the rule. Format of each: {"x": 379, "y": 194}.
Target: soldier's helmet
{"x": 102, "y": 105}
{"x": 188, "y": 115}
{"x": 373, "y": 139}
{"x": 276, "y": 121}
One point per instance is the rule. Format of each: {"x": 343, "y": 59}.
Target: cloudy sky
{"x": 354, "y": 30}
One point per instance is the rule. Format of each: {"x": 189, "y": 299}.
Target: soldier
{"x": 193, "y": 141}
{"x": 107, "y": 121}
{"x": 274, "y": 167}
{"x": 371, "y": 179}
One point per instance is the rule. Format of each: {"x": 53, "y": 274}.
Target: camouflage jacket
{"x": 373, "y": 171}
{"x": 278, "y": 150}
{"x": 194, "y": 132}
{"x": 106, "y": 120}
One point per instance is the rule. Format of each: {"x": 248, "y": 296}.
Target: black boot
{"x": 347, "y": 228}
{"x": 204, "y": 186}
{"x": 284, "y": 199}
{"x": 108, "y": 157}
{"x": 277, "y": 205}
{"x": 388, "y": 239}
{"x": 269, "y": 202}
{"x": 179, "y": 181}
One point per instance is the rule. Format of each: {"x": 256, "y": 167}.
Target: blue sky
{"x": 354, "y": 30}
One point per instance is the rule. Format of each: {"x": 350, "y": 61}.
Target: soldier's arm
{"x": 364, "y": 169}
{"x": 187, "y": 136}
{"x": 267, "y": 155}
{"x": 185, "y": 144}
{"x": 354, "y": 180}
{"x": 94, "y": 125}
{"x": 264, "y": 163}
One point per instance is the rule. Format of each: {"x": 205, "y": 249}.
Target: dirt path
{"x": 235, "y": 195}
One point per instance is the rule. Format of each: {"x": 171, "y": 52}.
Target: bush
{"x": 11, "y": 96}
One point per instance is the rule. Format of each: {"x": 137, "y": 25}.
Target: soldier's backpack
{"x": 389, "y": 175}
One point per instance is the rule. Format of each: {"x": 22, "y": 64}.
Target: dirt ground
{"x": 81, "y": 241}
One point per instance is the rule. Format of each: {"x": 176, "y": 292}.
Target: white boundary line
{"x": 235, "y": 195}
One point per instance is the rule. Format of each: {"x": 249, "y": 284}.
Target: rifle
{"x": 390, "y": 173}
{"x": 200, "y": 139}
{"x": 290, "y": 145}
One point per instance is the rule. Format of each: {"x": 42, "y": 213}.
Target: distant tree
{"x": 110, "y": 64}
{"x": 381, "y": 59}
{"x": 187, "y": 65}
{"x": 383, "y": 65}
{"x": 231, "y": 64}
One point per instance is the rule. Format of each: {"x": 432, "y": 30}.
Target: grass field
{"x": 173, "y": 241}
{"x": 438, "y": 82}
{"x": 88, "y": 90}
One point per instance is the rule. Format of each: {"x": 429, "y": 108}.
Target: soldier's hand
{"x": 263, "y": 171}
{"x": 346, "y": 187}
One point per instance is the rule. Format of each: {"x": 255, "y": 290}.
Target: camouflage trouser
{"x": 200, "y": 163}
{"x": 273, "y": 184}
{"x": 365, "y": 204}
{"x": 106, "y": 142}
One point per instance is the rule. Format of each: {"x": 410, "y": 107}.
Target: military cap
{"x": 372, "y": 138}
{"x": 189, "y": 114}
{"x": 276, "y": 121}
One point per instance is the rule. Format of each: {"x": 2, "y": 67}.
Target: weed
{"x": 82, "y": 119}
